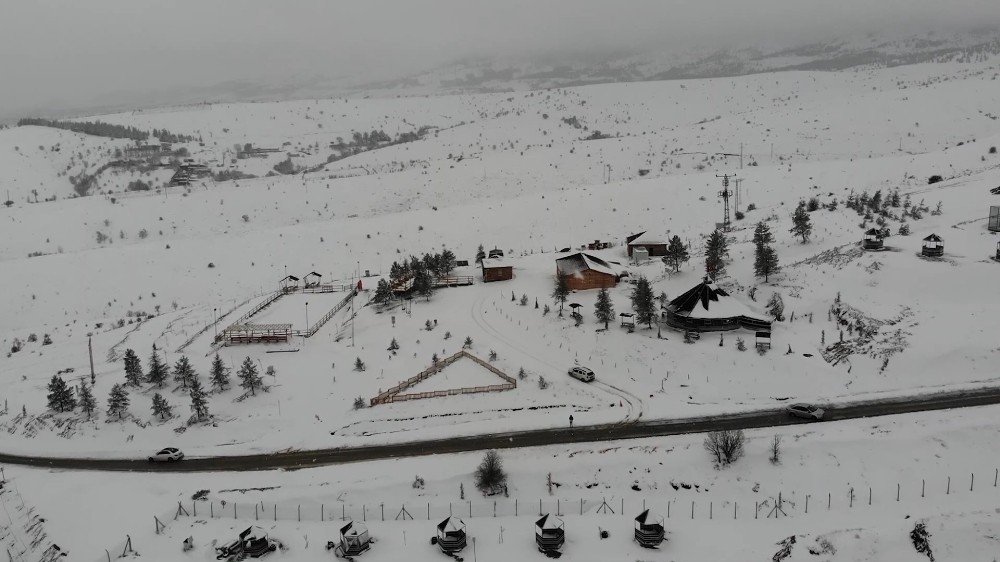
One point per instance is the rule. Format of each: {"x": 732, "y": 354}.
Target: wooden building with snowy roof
{"x": 586, "y": 271}
{"x": 708, "y": 308}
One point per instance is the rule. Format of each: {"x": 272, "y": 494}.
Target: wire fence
{"x": 759, "y": 506}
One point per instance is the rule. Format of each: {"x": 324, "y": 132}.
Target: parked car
{"x": 170, "y": 454}
{"x": 582, "y": 373}
{"x": 805, "y": 411}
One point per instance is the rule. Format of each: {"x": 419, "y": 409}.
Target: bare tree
{"x": 726, "y": 446}
{"x": 776, "y": 449}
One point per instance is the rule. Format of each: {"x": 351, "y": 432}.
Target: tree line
{"x": 102, "y": 129}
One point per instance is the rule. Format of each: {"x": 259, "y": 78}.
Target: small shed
{"x": 495, "y": 253}
{"x": 639, "y": 255}
{"x": 994, "y": 224}
{"x": 598, "y": 245}
{"x": 289, "y": 283}
{"x": 998, "y": 251}
{"x": 451, "y": 535}
{"x": 255, "y": 541}
{"x": 311, "y": 279}
{"x": 763, "y": 340}
{"x": 657, "y": 247}
{"x": 550, "y": 533}
{"x": 496, "y": 269}
{"x": 354, "y": 538}
{"x": 933, "y": 246}
{"x": 628, "y": 320}
{"x": 872, "y": 240}
{"x": 649, "y": 532}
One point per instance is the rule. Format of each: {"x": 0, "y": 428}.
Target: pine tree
{"x": 604, "y": 310}
{"x": 383, "y": 292}
{"x": 220, "y": 374}
{"x": 801, "y": 224}
{"x": 133, "y": 368}
{"x": 199, "y": 402}
{"x": 561, "y": 292}
{"x": 157, "y": 373}
{"x": 249, "y": 377}
{"x": 716, "y": 251}
{"x": 87, "y": 402}
{"x": 765, "y": 258}
{"x": 184, "y": 372}
{"x": 776, "y": 307}
{"x": 161, "y": 407}
{"x": 446, "y": 262}
{"x": 643, "y": 302}
{"x": 468, "y": 343}
{"x": 480, "y": 254}
{"x": 677, "y": 253}
{"x": 60, "y": 395}
{"x": 117, "y": 401}
{"x": 422, "y": 283}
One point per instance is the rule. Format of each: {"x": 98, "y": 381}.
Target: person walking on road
{"x": 571, "y": 420}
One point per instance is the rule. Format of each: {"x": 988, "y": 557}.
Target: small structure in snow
{"x": 933, "y": 246}
{"x": 252, "y": 542}
{"x": 649, "y": 532}
{"x": 994, "y": 224}
{"x": 550, "y": 533}
{"x": 311, "y": 279}
{"x": 598, "y": 245}
{"x": 708, "y": 308}
{"x": 763, "y": 340}
{"x": 496, "y": 269}
{"x": 655, "y": 247}
{"x": 495, "y": 253}
{"x": 289, "y": 283}
{"x": 628, "y": 320}
{"x": 451, "y": 535}
{"x": 585, "y": 271}
{"x": 872, "y": 240}
{"x": 354, "y": 539}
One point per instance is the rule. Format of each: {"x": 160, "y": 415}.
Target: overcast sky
{"x": 70, "y": 54}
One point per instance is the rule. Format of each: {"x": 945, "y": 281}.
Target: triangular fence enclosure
{"x": 396, "y": 394}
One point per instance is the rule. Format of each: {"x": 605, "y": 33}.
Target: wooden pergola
{"x": 257, "y": 333}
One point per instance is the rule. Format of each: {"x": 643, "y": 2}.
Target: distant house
{"x": 657, "y": 247}
{"x": 289, "y": 283}
{"x": 933, "y": 246}
{"x": 497, "y": 269}
{"x": 585, "y": 271}
{"x": 495, "y": 253}
{"x": 598, "y": 245}
{"x": 708, "y": 308}
{"x": 872, "y": 240}
{"x": 994, "y": 224}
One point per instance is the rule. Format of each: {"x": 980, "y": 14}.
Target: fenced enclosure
{"x": 393, "y": 394}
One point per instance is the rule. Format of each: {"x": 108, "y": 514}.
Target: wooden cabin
{"x": 649, "y": 532}
{"x": 550, "y": 533}
{"x": 873, "y": 240}
{"x": 585, "y": 271}
{"x": 496, "y": 269}
{"x": 451, "y": 535}
{"x": 655, "y": 247}
{"x": 933, "y": 246}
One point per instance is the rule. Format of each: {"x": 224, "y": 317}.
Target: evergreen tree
{"x": 133, "y": 368}
{"x": 765, "y": 258}
{"x": 801, "y": 225}
{"x": 604, "y": 310}
{"x": 677, "y": 253}
{"x": 561, "y": 292}
{"x": 446, "y": 262}
{"x": 643, "y": 302}
{"x": 184, "y": 372}
{"x": 249, "y": 377}
{"x": 199, "y": 401}
{"x": 87, "y": 402}
{"x": 716, "y": 252}
{"x": 117, "y": 401}
{"x": 383, "y": 292}
{"x": 220, "y": 374}
{"x": 776, "y": 307}
{"x": 422, "y": 283}
{"x": 161, "y": 407}
{"x": 480, "y": 254}
{"x": 60, "y": 395}
{"x": 157, "y": 373}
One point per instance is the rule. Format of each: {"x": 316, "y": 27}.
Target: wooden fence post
{"x": 948, "y": 489}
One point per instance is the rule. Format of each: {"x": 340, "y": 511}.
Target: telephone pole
{"x": 736, "y": 207}
{"x": 90, "y": 348}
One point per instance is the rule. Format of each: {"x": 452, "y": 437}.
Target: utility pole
{"x": 736, "y": 208}
{"x": 90, "y": 348}
{"x": 725, "y": 193}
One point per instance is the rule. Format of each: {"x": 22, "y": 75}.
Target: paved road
{"x": 534, "y": 438}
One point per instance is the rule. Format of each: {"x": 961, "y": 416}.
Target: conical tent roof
{"x": 708, "y": 300}
{"x": 873, "y": 232}
{"x": 253, "y": 533}
{"x": 451, "y": 525}
{"x": 648, "y": 517}
{"x": 933, "y": 238}
{"x": 353, "y": 529}
{"x": 549, "y": 523}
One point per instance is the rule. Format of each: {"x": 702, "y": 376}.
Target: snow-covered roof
{"x": 253, "y": 533}
{"x": 353, "y": 529}
{"x": 933, "y": 238}
{"x": 645, "y": 240}
{"x": 489, "y": 263}
{"x": 451, "y": 525}
{"x": 549, "y": 523}
{"x": 648, "y": 517}
{"x": 707, "y": 300}
{"x": 576, "y": 263}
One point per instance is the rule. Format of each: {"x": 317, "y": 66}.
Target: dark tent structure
{"x": 933, "y": 246}
{"x": 649, "y": 532}
{"x": 708, "y": 308}
{"x": 873, "y": 240}
{"x": 354, "y": 539}
{"x": 252, "y": 542}
{"x": 550, "y": 533}
{"x": 451, "y": 535}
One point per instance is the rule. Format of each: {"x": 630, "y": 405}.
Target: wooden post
{"x": 558, "y": 507}
{"x": 539, "y": 507}
{"x": 275, "y": 511}
{"x": 322, "y": 516}
{"x": 756, "y": 509}
{"x": 692, "y": 509}
{"x": 623, "y": 505}
{"x": 869, "y": 495}
{"x": 897, "y": 491}
{"x": 923, "y": 486}
{"x": 515, "y": 507}
{"x": 734, "y": 508}
{"x": 234, "y": 510}
{"x": 709, "y": 510}
{"x": 299, "y": 512}
{"x": 494, "y": 508}
{"x": 668, "y": 509}
{"x": 383, "y": 511}
{"x": 428, "y": 511}
{"x": 828, "y": 496}
{"x": 211, "y": 510}
{"x": 807, "y": 503}
{"x": 256, "y": 515}
{"x": 194, "y": 508}
{"x": 972, "y": 480}
{"x": 948, "y": 489}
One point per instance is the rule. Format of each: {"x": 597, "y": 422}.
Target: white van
{"x": 582, "y": 373}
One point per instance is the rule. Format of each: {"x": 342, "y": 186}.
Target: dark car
{"x": 805, "y": 411}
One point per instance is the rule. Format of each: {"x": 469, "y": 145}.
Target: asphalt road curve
{"x": 580, "y": 434}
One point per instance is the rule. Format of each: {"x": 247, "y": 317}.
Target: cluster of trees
{"x": 102, "y": 129}
{"x": 421, "y": 270}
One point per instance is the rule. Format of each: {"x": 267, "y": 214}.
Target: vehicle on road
{"x": 170, "y": 454}
{"x": 805, "y": 411}
{"x": 582, "y": 374}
